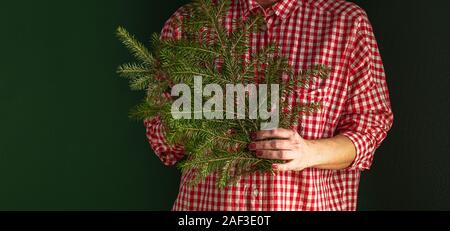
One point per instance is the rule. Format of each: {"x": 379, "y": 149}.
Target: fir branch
{"x": 209, "y": 50}
{"x": 137, "y": 49}
{"x": 132, "y": 70}
{"x": 145, "y": 110}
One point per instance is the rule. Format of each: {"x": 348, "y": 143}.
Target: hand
{"x": 287, "y": 145}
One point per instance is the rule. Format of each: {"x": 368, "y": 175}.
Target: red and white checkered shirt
{"x": 355, "y": 103}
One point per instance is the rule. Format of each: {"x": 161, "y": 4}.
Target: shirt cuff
{"x": 364, "y": 150}
{"x": 168, "y": 154}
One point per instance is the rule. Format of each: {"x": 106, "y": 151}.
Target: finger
{"x": 277, "y": 133}
{"x": 289, "y": 166}
{"x": 276, "y": 154}
{"x": 271, "y": 145}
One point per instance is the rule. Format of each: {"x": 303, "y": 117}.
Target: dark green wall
{"x": 66, "y": 142}
{"x": 65, "y": 139}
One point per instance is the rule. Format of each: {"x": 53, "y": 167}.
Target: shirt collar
{"x": 282, "y": 8}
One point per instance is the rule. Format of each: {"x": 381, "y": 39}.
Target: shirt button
{"x": 255, "y": 193}
{"x": 263, "y": 27}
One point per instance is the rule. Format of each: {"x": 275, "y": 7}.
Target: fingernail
{"x": 259, "y": 153}
{"x": 274, "y": 167}
{"x": 253, "y": 136}
{"x": 252, "y": 146}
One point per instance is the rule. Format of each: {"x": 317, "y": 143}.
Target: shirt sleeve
{"x": 367, "y": 116}
{"x": 168, "y": 154}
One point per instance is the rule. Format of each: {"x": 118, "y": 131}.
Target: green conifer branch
{"x": 210, "y": 50}
{"x": 137, "y": 49}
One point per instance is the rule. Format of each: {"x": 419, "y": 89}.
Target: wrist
{"x": 314, "y": 157}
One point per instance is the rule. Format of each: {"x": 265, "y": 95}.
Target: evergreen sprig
{"x": 219, "y": 55}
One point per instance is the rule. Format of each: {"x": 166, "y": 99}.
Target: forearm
{"x": 334, "y": 153}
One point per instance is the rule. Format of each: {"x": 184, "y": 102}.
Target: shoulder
{"x": 171, "y": 28}
{"x": 338, "y": 9}
{"x": 180, "y": 13}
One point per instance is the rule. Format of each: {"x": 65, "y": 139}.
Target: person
{"x": 326, "y": 154}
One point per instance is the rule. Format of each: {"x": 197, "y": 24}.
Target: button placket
{"x": 268, "y": 24}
